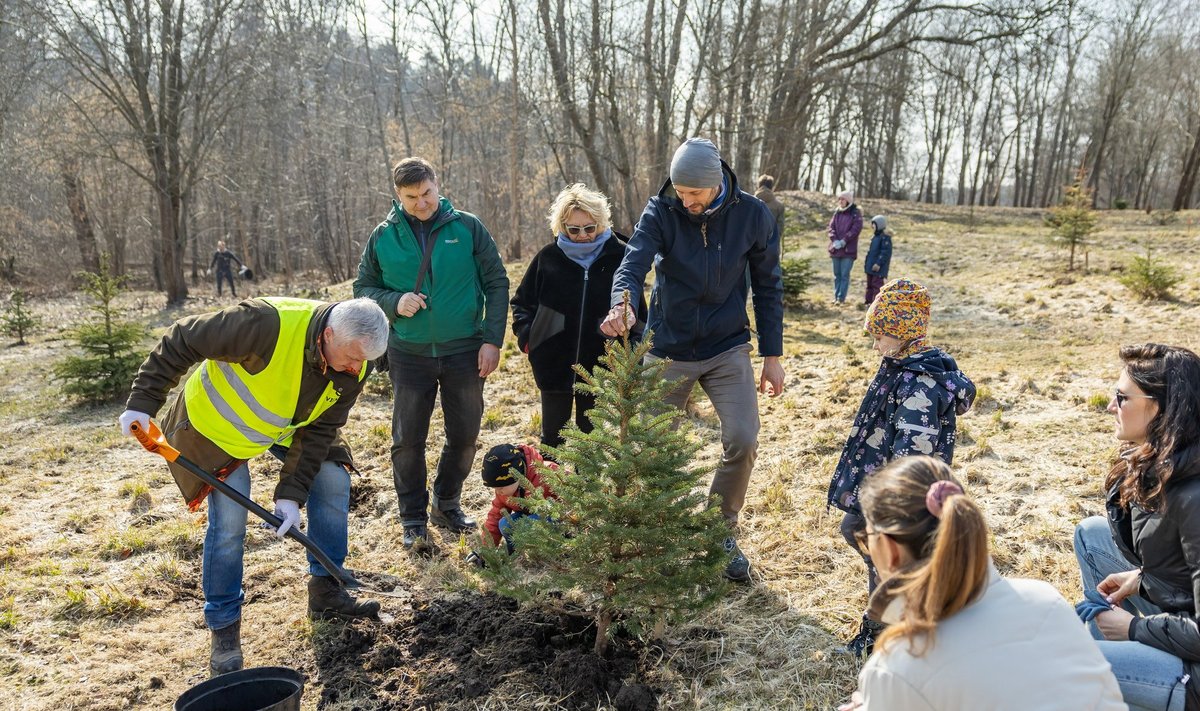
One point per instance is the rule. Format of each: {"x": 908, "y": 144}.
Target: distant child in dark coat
{"x": 911, "y": 407}
{"x": 879, "y": 258}
{"x": 503, "y": 467}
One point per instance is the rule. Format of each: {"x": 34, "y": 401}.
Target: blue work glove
{"x": 289, "y": 511}
{"x": 1093, "y": 604}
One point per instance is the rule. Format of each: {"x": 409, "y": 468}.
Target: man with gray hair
{"x": 275, "y": 375}
{"x": 703, "y": 236}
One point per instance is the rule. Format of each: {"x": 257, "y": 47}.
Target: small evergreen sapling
{"x": 1072, "y": 220}
{"x": 18, "y": 321}
{"x": 633, "y": 533}
{"x": 111, "y": 347}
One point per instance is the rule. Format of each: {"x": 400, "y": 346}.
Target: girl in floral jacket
{"x": 911, "y": 407}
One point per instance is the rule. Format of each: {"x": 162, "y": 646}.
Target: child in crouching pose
{"x": 911, "y": 407}
{"x": 503, "y": 467}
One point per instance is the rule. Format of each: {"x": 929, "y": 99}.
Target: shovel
{"x": 154, "y": 442}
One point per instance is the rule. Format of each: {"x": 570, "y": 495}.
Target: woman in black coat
{"x": 561, "y": 301}
{"x": 1143, "y": 559}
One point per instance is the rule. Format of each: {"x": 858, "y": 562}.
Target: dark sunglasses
{"x": 576, "y": 229}
{"x": 1123, "y": 398}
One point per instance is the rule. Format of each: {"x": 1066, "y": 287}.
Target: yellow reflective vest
{"x": 243, "y": 413}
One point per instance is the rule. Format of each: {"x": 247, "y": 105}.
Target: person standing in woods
{"x": 222, "y": 262}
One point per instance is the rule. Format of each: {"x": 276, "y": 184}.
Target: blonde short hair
{"x": 579, "y": 197}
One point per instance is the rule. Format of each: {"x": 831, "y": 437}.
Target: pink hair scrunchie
{"x": 939, "y": 491}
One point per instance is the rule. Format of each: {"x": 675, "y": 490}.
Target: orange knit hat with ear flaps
{"x": 901, "y": 310}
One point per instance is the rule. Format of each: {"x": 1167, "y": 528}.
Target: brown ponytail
{"x": 942, "y": 529}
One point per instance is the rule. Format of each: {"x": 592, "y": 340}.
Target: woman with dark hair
{"x": 959, "y": 635}
{"x": 1145, "y": 558}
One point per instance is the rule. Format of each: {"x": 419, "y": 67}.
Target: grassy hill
{"x": 99, "y": 561}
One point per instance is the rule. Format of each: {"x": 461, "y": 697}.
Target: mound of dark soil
{"x": 443, "y": 653}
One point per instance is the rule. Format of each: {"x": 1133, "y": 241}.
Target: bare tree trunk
{"x": 85, "y": 236}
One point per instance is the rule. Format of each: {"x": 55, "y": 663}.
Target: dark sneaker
{"x": 415, "y": 534}
{"x": 453, "y": 519}
{"x": 738, "y": 569}
{"x": 225, "y": 654}
{"x": 328, "y": 600}
{"x": 863, "y": 643}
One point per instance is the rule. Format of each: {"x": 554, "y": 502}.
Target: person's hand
{"x": 1118, "y": 586}
{"x": 289, "y": 511}
{"x": 874, "y": 267}
{"x": 409, "y": 304}
{"x": 855, "y": 702}
{"x": 619, "y": 320}
{"x": 129, "y": 417}
{"x": 1114, "y": 624}
{"x": 489, "y": 358}
{"x": 772, "y": 375}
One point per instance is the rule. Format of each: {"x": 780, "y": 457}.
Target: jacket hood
{"x": 668, "y": 195}
{"x": 765, "y": 194}
{"x": 880, "y": 223}
{"x": 940, "y": 366}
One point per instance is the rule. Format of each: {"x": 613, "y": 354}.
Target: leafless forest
{"x": 145, "y": 130}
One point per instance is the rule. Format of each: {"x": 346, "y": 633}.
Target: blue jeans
{"x": 416, "y": 382}
{"x": 328, "y": 507}
{"x": 506, "y": 524}
{"x": 1150, "y": 679}
{"x": 841, "y": 277}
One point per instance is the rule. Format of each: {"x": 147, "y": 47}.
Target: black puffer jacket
{"x": 1166, "y": 545}
{"x": 557, "y": 311}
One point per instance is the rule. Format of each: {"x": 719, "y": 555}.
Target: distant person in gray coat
{"x": 765, "y": 191}
{"x": 879, "y": 258}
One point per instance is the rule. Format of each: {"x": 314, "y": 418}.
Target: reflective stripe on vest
{"x": 243, "y": 413}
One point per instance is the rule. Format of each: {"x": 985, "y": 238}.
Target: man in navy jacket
{"x": 703, "y": 235}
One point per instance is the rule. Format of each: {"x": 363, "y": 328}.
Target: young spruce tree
{"x": 18, "y": 321}
{"x": 633, "y": 533}
{"x": 111, "y": 347}
{"x": 1073, "y": 220}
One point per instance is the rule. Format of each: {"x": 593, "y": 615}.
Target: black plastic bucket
{"x": 254, "y": 689}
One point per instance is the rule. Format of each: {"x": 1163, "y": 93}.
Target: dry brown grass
{"x": 99, "y": 568}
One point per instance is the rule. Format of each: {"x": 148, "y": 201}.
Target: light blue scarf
{"x": 584, "y": 253}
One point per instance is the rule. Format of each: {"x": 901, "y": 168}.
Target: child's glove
{"x": 874, "y": 267}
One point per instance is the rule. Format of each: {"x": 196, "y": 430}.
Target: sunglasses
{"x": 1123, "y": 398}
{"x": 576, "y": 229}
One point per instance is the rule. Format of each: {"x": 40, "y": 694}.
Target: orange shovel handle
{"x": 154, "y": 441}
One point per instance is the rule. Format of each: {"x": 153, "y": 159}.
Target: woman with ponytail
{"x": 959, "y": 635}
{"x": 1143, "y": 559}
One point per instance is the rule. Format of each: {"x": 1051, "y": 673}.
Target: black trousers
{"x": 556, "y": 410}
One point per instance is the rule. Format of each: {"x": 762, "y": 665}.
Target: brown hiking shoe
{"x": 226, "y": 650}
{"x": 328, "y": 600}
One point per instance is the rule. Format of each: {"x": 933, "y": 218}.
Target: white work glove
{"x": 129, "y": 417}
{"x": 289, "y": 511}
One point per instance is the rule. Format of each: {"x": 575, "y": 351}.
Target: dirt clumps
{"x": 446, "y": 652}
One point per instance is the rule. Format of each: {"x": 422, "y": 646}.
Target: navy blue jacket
{"x": 880, "y": 253}
{"x": 698, "y": 304}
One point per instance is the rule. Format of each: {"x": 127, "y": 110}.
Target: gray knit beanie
{"x": 697, "y": 164}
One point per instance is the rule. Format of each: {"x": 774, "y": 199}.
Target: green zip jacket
{"x": 466, "y": 286}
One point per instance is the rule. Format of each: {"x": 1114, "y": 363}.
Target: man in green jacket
{"x": 437, "y": 274}
{"x": 275, "y": 375}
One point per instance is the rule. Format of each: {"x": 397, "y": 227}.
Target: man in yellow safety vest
{"x": 276, "y": 375}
